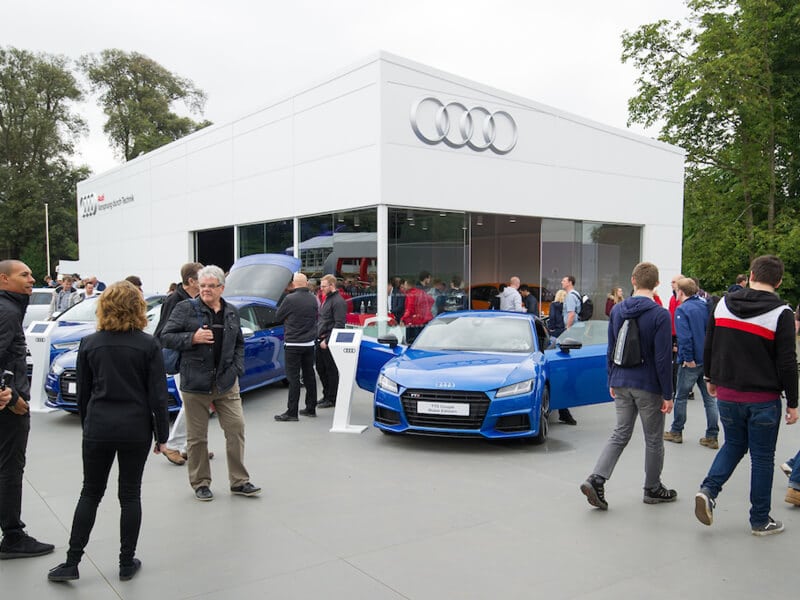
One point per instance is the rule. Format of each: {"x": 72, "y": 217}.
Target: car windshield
{"x": 587, "y": 333}
{"x": 476, "y": 334}
{"x": 41, "y": 297}
{"x": 84, "y": 311}
{"x": 262, "y": 281}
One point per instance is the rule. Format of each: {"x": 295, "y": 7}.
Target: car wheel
{"x": 541, "y": 437}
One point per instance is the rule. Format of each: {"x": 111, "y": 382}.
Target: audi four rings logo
{"x": 458, "y": 126}
{"x": 87, "y": 205}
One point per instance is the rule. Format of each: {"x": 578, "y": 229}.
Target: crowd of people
{"x": 739, "y": 350}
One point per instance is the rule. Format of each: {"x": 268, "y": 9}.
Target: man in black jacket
{"x": 16, "y": 285}
{"x": 332, "y": 315}
{"x": 208, "y": 333}
{"x": 298, "y": 313}
{"x": 186, "y": 290}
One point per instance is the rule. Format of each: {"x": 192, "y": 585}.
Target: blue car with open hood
{"x": 487, "y": 374}
{"x": 254, "y": 286}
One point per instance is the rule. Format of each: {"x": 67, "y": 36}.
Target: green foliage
{"x": 725, "y": 86}
{"x": 38, "y": 128}
{"x": 137, "y": 94}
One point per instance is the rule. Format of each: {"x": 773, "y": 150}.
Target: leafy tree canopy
{"x": 137, "y": 95}
{"x": 725, "y": 86}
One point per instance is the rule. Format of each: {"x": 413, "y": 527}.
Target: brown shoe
{"x": 709, "y": 442}
{"x": 673, "y": 436}
{"x": 792, "y": 496}
{"x": 174, "y": 457}
{"x": 186, "y": 456}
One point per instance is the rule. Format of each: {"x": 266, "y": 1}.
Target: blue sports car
{"x": 253, "y": 286}
{"x": 483, "y": 373}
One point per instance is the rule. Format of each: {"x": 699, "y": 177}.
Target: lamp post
{"x": 47, "y": 235}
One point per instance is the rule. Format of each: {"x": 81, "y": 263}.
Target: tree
{"x": 137, "y": 94}
{"x": 725, "y": 86}
{"x": 38, "y": 128}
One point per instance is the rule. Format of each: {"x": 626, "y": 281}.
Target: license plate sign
{"x": 72, "y": 387}
{"x": 459, "y": 409}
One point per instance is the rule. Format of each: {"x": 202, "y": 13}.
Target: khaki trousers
{"x": 231, "y": 419}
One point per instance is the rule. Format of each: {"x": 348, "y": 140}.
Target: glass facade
{"x": 457, "y": 259}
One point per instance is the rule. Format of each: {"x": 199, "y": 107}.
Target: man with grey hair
{"x": 208, "y": 333}
{"x": 298, "y": 312}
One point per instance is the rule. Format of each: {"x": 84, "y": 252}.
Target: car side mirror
{"x": 390, "y": 339}
{"x": 247, "y": 332}
{"x": 568, "y": 344}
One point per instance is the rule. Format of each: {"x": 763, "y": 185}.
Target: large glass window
{"x": 274, "y": 237}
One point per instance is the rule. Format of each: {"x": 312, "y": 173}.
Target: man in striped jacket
{"x": 749, "y": 359}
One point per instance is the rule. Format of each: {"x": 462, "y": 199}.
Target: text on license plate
{"x": 460, "y": 409}
{"x": 72, "y": 387}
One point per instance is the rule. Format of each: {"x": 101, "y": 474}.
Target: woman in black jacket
{"x": 122, "y": 395}
{"x": 555, "y": 322}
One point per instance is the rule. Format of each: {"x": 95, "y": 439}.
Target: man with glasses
{"x": 332, "y": 315}
{"x": 208, "y": 333}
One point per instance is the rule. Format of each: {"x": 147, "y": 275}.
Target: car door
{"x": 578, "y": 377}
{"x": 253, "y": 363}
{"x": 271, "y": 354}
{"x": 373, "y": 355}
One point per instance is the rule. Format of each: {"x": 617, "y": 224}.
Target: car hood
{"x": 471, "y": 371}
{"x": 68, "y": 331}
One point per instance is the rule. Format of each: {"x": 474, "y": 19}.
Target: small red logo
{"x": 101, "y": 197}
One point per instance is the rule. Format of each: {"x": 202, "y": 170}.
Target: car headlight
{"x": 387, "y": 384}
{"x": 67, "y": 345}
{"x": 56, "y": 369}
{"x": 523, "y": 387}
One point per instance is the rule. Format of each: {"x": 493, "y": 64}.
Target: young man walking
{"x": 644, "y": 390}
{"x": 749, "y": 359}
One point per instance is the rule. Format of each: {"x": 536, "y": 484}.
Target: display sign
{"x": 344, "y": 346}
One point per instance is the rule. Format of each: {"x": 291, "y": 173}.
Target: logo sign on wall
{"x": 457, "y": 126}
{"x": 90, "y": 204}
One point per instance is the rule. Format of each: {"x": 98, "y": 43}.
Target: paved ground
{"x": 378, "y": 517}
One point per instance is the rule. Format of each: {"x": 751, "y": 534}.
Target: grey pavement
{"x": 383, "y": 517}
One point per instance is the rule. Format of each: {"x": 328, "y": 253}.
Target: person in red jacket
{"x": 418, "y": 306}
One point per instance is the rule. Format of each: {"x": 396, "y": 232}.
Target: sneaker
{"x": 185, "y": 456}
{"x": 63, "y": 572}
{"x": 25, "y": 546}
{"x": 792, "y": 497}
{"x": 126, "y": 572}
{"x": 704, "y": 507}
{"x": 307, "y": 413}
{"x": 673, "y": 436}
{"x": 787, "y": 470}
{"x": 709, "y": 442}
{"x": 326, "y": 404}
{"x": 570, "y": 420}
{"x": 174, "y": 457}
{"x": 247, "y": 489}
{"x": 203, "y": 493}
{"x": 770, "y": 527}
{"x": 659, "y": 495}
{"x": 595, "y": 492}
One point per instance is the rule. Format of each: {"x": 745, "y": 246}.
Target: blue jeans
{"x": 794, "y": 478}
{"x": 749, "y": 426}
{"x": 687, "y": 378}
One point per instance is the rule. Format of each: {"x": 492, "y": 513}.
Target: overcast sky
{"x": 245, "y": 53}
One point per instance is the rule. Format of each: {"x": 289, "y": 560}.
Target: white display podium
{"x": 37, "y": 336}
{"x": 345, "y": 345}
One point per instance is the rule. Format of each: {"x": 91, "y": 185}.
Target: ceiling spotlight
{"x": 425, "y": 226}
{"x": 442, "y": 214}
{"x": 512, "y": 219}
{"x": 356, "y": 221}
{"x": 409, "y": 216}
{"x": 479, "y": 221}
{"x": 340, "y": 218}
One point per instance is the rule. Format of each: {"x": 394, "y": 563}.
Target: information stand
{"x": 37, "y": 337}
{"x": 345, "y": 345}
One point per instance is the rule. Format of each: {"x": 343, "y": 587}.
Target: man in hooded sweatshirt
{"x": 644, "y": 390}
{"x": 749, "y": 358}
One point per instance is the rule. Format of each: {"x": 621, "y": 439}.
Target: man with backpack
{"x": 643, "y": 389}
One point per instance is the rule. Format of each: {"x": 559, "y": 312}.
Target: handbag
{"x": 172, "y": 357}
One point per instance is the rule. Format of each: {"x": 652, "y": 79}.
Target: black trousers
{"x": 300, "y": 358}
{"x": 13, "y": 442}
{"x": 328, "y": 374}
{"x": 97, "y": 460}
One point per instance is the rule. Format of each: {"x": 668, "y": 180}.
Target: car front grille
{"x": 67, "y": 377}
{"x": 478, "y": 405}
